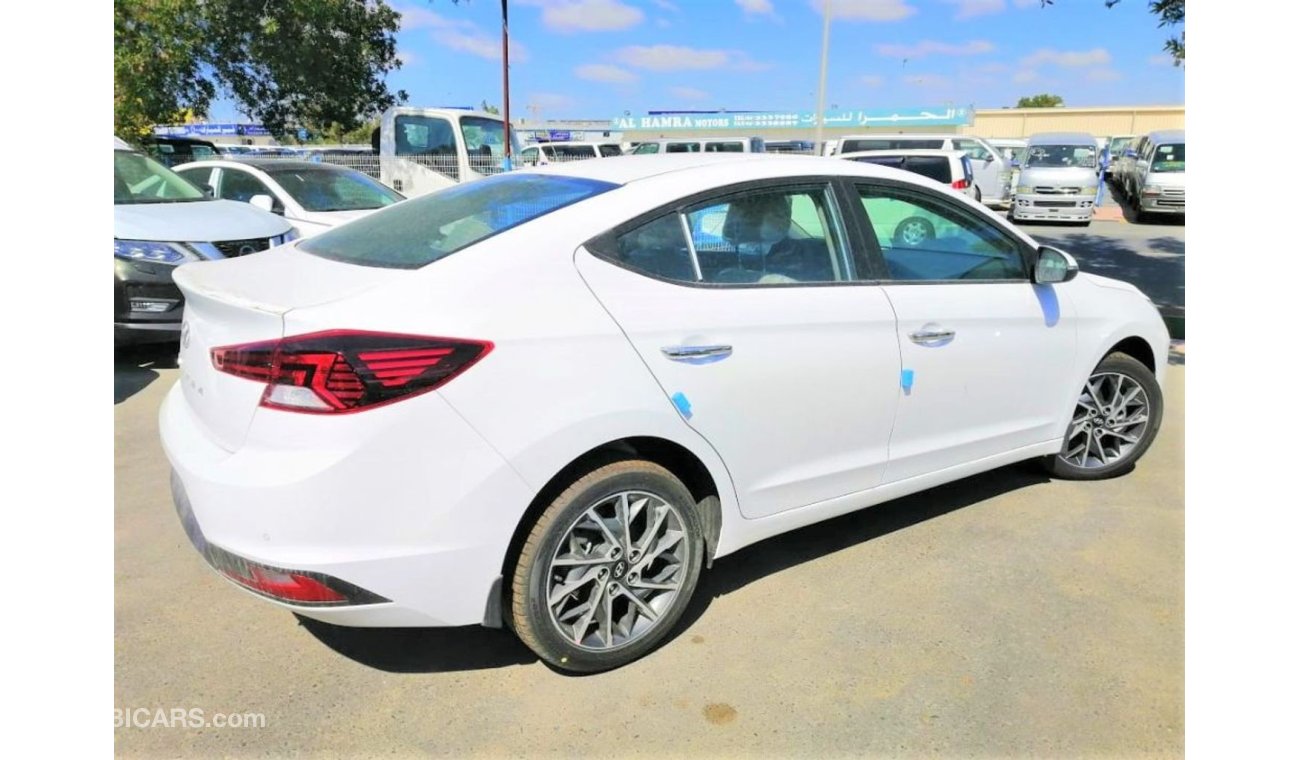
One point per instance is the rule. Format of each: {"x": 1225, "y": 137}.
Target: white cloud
{"x": 604, "y": 72}
{"x": 1161, "y": 59}
{"x": 460, "y": 34}
{"x": 1028, "y": 3}
{"x": 408, "y": 58}
{"x": 972, "y": 8}
{"x": 688, "y": 93}
{"x": 873, "y": 80}
{"x": 1025, "y": 75}
{"x": 757, "y": 7}
{"x": 928, "y": 81}
{"x": 586, "y": 15}
{"x": 1069, "y": 58}
{"x": 866, "y": 10}
{"x": 549, "y": 101}
{"x": 930, "y": 47}
{"x": 1104, "y": 75}
{"x": 671, "y": 57}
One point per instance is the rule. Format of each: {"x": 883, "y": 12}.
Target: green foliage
{"x": 1045, "y": 100}
{"x": 285, "y": 62}
{"x": 488, "y": 108}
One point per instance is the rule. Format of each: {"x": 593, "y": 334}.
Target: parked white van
{"x": 543, "y": 154}
{"x": 992, "y": 168}
{"x": 701, "y": 145}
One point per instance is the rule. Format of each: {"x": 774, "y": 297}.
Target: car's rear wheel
{"x": 1116, "y": 417}
{"x": 609, "y": 568}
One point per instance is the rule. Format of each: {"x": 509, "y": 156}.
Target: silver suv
{"x": 1058, "y": 180}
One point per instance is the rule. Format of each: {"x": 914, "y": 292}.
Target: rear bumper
{"x": 405, "y": 502}
{"x": 147, "y": 305}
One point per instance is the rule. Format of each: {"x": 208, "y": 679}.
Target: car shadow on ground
{"x": 439, "y": 650}
{"x": 1161, "y": 277}
{"x": 1131, "y": 215}
{"x": 134, "y": 367}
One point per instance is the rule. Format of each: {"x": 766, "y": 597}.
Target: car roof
{"x": 904, "y": 152}
{"x": 705, "y": 138}
{"x": 1167, "y": 136}
{"x": 120, "y": 144}
{"x": 629, "y": 169}
{"x": 905, "y": 136}
{"x": 266, "y": 164}
{"x": 1062, "y": 138}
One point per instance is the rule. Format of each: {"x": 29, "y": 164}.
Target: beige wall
{"x": 996, "y": 122}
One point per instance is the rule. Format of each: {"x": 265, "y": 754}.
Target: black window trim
{"x": 853, "y": 244}
{"x": 1027, "y": 252}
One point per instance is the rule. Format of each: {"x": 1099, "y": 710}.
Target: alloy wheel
{"x": 617, "y": 570}
{"x": 1110, "y": 419}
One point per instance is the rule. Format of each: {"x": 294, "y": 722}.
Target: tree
{"x": 485, "y": 108}
{"x": 1170, "y": 13}
{"x": 319, "y": 62}
{"x": 1044, "y": 100}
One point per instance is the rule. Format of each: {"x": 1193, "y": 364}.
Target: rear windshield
{"x": 420, "y": 231}
{"x": 1061, "y": 156}
{"x": 936, "y": 168}
{"x": 852, "y": 146}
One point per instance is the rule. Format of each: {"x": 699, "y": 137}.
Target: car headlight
{"x": 288, "y": 237}
{"x": 1089, "y": 189}
{"x": 1026, "y": 189}
{"x": 148, "y": 250}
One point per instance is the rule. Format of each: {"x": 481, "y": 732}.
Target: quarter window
{"x": 923, "y": 238}
{"x": 761, "y": 237}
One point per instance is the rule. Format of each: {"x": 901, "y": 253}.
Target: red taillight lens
{"x": 289, "y": 587}
{"x": 347, "y": 370}
{"x": 960, "y": 184}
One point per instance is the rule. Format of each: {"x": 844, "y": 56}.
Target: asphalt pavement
{"x": 1002, "y": 615}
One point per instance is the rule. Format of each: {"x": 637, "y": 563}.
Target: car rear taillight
{"x": 285, "y": 586}
{"x": 347, "y": 370}
{"x": 960, "y": 184}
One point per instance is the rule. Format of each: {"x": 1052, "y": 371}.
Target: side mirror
{"x": 266, "y": 203}
{"x": 1054, "y": 265}
{"x": 207, "y": 190}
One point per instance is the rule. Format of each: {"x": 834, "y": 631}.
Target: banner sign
{"x": 211, "y": 130}
{"x": 868, "y": 117}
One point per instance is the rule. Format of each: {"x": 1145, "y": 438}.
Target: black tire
{"x": 530, "y": 614}
{"x": 1123, "y": 365}
{"x": 913, "y": 231}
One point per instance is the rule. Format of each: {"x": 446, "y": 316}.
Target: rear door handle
{"x": 696, "y": 354}
{"x": 932, "y": 336}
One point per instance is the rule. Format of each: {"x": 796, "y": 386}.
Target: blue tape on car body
{"x": 683, "y": 406}
{"x": 905, "y": 379}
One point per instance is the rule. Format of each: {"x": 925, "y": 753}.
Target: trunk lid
{"x": 244, "y": 300}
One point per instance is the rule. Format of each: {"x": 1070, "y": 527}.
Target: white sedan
{"x": 312, "y": 196}
{"x": 551, "y": 397}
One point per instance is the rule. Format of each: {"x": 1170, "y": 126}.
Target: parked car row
{"x": 1151, "y": 174}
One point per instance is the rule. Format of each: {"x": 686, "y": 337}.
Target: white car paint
{"x": 308, "y": 223}
{"x": 417, "y": 501}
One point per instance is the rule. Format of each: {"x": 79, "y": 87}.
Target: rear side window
{"x": 724, "y": 147}
{"x": 611, "y": 150}
{"x": 693, "y": 147}
{"x": 884, "y": 143}
{"x": 936, "y": 168}
{"x": 420, "y": 231}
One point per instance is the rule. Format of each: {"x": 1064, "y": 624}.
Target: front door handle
{"x": 696, "y": 354}
{"x": 928, "y": 336}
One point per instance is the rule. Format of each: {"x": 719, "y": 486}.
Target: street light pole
{"x": 820, "y": 116}
{"x": 505, "y": 82}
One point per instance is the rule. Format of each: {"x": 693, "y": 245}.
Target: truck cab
{"x": 426, "y": 149}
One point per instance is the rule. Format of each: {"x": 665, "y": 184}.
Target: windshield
{"x": 140, "y": 179}
{"x": 332, "y": 189}
{"x": 425, "y": 229}
{"x": 1057, "y": 156}
{"x": 1169, "y": 158}
{"x": 1118, "y": 144}
{"x": 486, "y": 137}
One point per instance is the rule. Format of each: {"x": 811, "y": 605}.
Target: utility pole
{"x": 821, "y": 85}
{"x": 505, "y": 82}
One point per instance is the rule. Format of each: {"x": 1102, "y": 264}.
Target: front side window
{"x": 924, "y": 238}
{"x": 529, "y": 156}
{"x": 645, "y": 148}
{"x": 610, "y": 150}
{"x": 683, "y": 147}
{"x": 724, "y": 147}
{"x": 140, "y": 179}
{"x": 422, "y": 230}
{"x": 423, "y": 136}
{"x": 1058, "y": 156}
{"x": 240, "y": 186}
{"x": 763, "y": 237}
{"x": 486, "y": 138}
{"x": 973, "y": 149}
{"x": 571, "y": 152}
{"x": 333, "y": 190}
{"x": 1170, "y": 157}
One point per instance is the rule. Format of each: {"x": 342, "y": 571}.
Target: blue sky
{"x": 598, "y": 58}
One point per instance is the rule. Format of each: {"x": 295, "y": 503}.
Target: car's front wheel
{"x": 1116, "y": 417}
{"x": 608, "y": 568}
